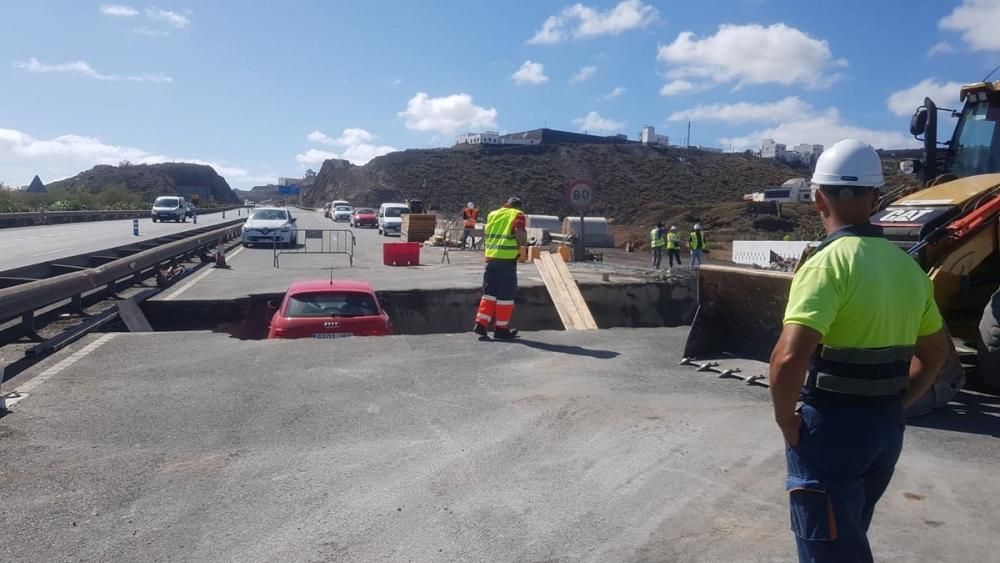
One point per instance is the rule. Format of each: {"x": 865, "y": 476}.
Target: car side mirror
{"x": 918, "y": 123}
{"x": 272, "y": 305}
{"x": 295, "y": 220}
{"x": 910, "y": 167}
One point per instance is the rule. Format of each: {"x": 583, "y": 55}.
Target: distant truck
{"x": 796, "y": 190}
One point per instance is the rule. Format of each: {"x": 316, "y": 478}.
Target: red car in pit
{"x": 328, "y": 309}
{"x": 364, "y": 217}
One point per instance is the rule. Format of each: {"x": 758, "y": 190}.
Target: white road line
{"x": 49, "y": 252}
{"x": 23, "y": 391}
{"x": 199, "y": 277}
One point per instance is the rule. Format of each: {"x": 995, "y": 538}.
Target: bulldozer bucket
{"x": 739, "y": 312}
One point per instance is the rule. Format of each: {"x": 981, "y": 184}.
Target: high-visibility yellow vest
{"x": 694, "y": 241}
{"x": 673, "y": 241}
{"x": 500, "y": 242}
{"x": 656, "y": 238}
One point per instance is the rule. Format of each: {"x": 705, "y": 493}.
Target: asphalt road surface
{"x": 565, "y": 446}
{"x": 23, "y": 246}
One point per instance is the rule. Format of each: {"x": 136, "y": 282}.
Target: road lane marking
{"x": 23, "y": 391}
{"x": 49, "y": 252}
{"x": 199, "y": 277}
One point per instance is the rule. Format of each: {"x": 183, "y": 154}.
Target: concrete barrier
{"x": 758, "y": 252}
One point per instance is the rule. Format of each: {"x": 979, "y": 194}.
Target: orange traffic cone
{"x": 220, "y": 256}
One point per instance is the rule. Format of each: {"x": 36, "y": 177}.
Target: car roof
{"x": 394, "y": 205}
{"x": 317, "y": 286}
{"x": 272, "y": 209}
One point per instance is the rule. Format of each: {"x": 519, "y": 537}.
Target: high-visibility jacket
{"x": 656, "y": 238}
{"x": 673, "y": 241}
{"x": 870, "y": 302}
{"x": 470, "y": 216}
{"x": 697, "y": 240}
{"x": 501, "y": 244}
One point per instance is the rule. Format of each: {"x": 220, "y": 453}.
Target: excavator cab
{"x": 950, "y": 227}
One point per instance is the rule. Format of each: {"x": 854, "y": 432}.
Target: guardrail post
{"x": 77, "y": 301}
{"x": 135, "y": 227}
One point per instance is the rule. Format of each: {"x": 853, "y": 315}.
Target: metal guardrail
{"x": 319, "y": 241}
{"x": 28, "y": 218}
{"x": 24, "y": 299}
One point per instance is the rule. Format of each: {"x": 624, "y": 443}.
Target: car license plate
{"x": 332, "y": 335}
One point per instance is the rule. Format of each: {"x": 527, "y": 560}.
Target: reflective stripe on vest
{"x": 656, "y": 238}
{"x": 500, "y": 242}
{"x": 866, "y": 372}
{"x": 673, "y": 241}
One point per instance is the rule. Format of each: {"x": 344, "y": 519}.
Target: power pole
{"x": 689, "y": 134}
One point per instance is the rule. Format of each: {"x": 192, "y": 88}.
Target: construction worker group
{"x": 661, "y": 238}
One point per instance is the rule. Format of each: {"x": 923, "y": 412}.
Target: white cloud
{"x": 119, "y": 10}
{"x": 175, "y": 19}
{"x": 83, "y": 68}
{"x": 790, "y": 108}
{"x": 584, "y": 73}
{"x": 447, "y": 114}
{"x": 978, "y": 22}
{"x": 22, "y": 156}
{"x": 748, "y": 54}
{"x": 593, "y": 122}
{"x": 825, "y": 128}
{"x": 905, "y": 102}
{"x": 530, "y": 73}
{"x": 357, "y": 147}
{"x": 580, "y": 22}
{"x": 618, "y": 91}
{"x": 940, "y": 48}
{"x": 675, "y": 87}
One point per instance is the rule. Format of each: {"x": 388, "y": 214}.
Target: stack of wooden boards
{"x": 417, "y": 227}
{"x": 566, "y": 296}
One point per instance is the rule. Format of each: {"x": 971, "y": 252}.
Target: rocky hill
{"x": 627, "y": 178}
{"x": 152, "y": 180}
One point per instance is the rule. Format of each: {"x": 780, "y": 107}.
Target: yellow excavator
{"x": 950, "y": 226}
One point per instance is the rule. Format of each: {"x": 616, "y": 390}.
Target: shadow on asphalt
{"x": 564, "y": 349}
{"x": 970, "y": 412}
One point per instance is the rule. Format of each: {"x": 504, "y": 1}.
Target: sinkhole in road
{"x": 437, "y": 311}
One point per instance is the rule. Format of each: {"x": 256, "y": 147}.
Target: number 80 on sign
{"x": 579, "y": 194}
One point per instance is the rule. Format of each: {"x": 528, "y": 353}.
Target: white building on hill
{"x": 648, "y": 136}
{"x": 771, "y": 149}
{"x": 484, "y": 138}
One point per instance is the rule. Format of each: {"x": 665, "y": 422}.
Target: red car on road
{"x": 364, "y": 217}
{"x": 328, "y": 309}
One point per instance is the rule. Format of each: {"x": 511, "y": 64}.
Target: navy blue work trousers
{"x": 837, "y": 473}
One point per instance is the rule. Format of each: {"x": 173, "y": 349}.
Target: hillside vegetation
{"x": 129, "y": 186}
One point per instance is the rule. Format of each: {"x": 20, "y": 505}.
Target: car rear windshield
{"x": 165, "y": 202}
{"x": 365, "y": 211}
{"x": 336, "y": 304}
{"x": 343, "y": 208}
{"x": 395, "y": 211}
{"x": 270, "y": 215}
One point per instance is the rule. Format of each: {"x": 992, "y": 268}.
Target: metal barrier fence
{"x": 319, "y": 241}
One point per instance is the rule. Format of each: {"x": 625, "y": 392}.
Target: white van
{"x": 390, "y": 217}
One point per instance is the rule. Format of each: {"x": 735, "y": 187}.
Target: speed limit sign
{"x": 580, "y": 194}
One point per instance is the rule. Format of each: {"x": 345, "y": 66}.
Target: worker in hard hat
{"x": 862, "y": 340}
{"x": 469, "y": 216}
{"x": 503, "y": 234}
{"x": 673, "y": 246}
{"x": 696, "y": 244}
{"x": 656, "y": 243}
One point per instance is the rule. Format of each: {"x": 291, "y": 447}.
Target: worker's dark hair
{"x": 846, "y": 192}
{"x": 515, "y": 202}
{"x": 659, "y": 224}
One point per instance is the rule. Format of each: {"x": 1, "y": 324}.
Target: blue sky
{"x": 267, "y": 89}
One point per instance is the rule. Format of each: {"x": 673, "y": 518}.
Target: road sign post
{"x": 580, "y": 195}
{"x": 135, "y": 227}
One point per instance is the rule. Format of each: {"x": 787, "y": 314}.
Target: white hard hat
{"x": 849, "y": 163}
{"x": 673, "y": 227}
{"x": 470, "y": 205}
{"x": 697, "y": 226}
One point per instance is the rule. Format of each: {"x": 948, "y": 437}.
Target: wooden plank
{"x": 560, "y": 293}
{"x": 574, "y": 292}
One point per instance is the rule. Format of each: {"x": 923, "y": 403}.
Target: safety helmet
{"x": 849, "y": 163}
{"x": 470, "y": 205}
{"x": 697, "y": 226}
{"x": 673, "y": 227}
